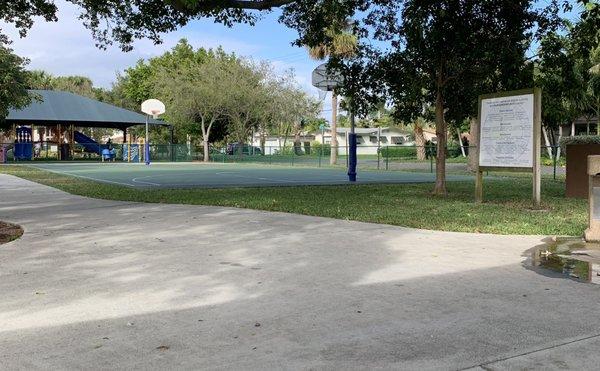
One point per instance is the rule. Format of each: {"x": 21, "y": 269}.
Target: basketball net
{"x": 322, "y": 95}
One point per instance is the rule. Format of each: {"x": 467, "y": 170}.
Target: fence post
{"x": 387, "y": 158}
{"x": 378, "y": 145}
{"x": 320, "y": 152}
{"x": 431, "y": 158}
{"x": 554, "y": 152}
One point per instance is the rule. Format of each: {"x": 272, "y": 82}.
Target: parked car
{"x": 234, "y": 149}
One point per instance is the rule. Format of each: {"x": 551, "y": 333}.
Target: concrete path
{"x": 109, "y": 285}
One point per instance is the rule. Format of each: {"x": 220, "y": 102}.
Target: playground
{"x": 214, "y": 175}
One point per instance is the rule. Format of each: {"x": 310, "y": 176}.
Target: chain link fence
{"x": 399, "y": 157}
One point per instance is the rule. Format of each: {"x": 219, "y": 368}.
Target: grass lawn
{"x": 507, "y": 209}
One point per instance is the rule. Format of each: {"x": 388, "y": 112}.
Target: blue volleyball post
{"x": 352, "y": 149}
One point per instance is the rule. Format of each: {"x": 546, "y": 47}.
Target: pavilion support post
{"x": 72, "y": 142}
{"x": 59, "y": 141}
{"x": 33, "y": 141}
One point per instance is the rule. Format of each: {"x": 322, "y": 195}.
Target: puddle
{"x": 573, "y": 257}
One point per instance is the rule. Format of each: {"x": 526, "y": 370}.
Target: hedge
{"x": 579, "y": 139}
{"x": 398, "y": 152}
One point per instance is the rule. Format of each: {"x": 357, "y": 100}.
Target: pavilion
{"x": 60, "y": 112}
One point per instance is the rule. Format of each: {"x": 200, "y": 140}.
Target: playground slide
{"x": 87, "y": 143}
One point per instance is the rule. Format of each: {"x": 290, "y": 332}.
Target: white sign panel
{"x": 507, "y": 131}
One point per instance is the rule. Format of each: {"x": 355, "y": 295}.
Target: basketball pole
{"x": 147, "y": 145}
{"x": 352, "y": 139}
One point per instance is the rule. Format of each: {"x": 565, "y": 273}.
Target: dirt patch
{"x": 9, "y": 232}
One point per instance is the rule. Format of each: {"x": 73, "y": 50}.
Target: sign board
{"x": 510, "y": 135}
{"x": 507, "y": 131}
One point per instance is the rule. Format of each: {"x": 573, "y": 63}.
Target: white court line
{"x": 137, "y": 179}
{"x": 82, "y": 176}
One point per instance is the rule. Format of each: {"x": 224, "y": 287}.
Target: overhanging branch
{"x": 183, "y": 6}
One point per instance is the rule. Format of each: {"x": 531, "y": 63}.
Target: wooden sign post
{"x": 509, "y": 126}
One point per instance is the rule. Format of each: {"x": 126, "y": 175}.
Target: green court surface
{"x": 198, "y": 175}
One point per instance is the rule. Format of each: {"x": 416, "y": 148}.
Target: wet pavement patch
{"x": 572, "y": 257}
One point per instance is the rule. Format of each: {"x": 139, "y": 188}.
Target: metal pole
{"x": 352, "y": 154}
{"x": 347, "y": 141}
{"x": 431, "y": 158}
{"x": 387, "y": 157}
{"x": 172, "y": 153}
{"x": 378, "y": 145}
{"x": 147, "y": 146}
{"x": 322, "y": 143}
{"x": 554, "y": 152}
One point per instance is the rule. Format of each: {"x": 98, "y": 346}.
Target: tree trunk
{"x": 205, "y": 135}
{"x": 420, "y": 142}
{"x": 262, "y": 143}
{"x": 206, "y": 149}
{"x": 334, "y": 142}
{"x": 473, "y": 145}
{"x": 547, "y": 142}
{"x": 297, "y": 144}
{"x": 440, "y": 161}
{"x": 460, "y": 143}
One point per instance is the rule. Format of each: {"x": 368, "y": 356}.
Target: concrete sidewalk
{"x": 116, "y": 285}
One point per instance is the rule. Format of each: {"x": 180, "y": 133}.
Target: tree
{"x": 339, "y": 42}
{"x": 194, "y": 92}
{"x": 38, "y": 79}
{"x": 13, "y": 81}
{"x": 246, "y": 98}
{"x": 137, "y": 84}
{"x": 584, "y": 48}
{"x": 448, "y": 48}
{"x": 437, "y": 53}
{"x": 557, "y": 73}
{"x": 287, "y": 108}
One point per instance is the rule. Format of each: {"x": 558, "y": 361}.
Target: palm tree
{"x": 343, "y": 44}
{"x": 418, "y": 125}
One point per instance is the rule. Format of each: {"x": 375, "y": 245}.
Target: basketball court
{"x": 199, "y": 175}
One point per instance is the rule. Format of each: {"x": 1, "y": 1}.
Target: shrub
{"x": 287, "y": 150}
{"x": 579, "y": 139}
{"x": 398, "y": 152}
{"x": 320, "y": 148}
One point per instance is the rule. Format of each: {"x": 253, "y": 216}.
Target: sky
{"x": 67, "y": 48}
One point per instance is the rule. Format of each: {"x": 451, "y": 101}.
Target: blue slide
{"x": 87, "y": 143}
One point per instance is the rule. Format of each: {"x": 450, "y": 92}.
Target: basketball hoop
{"x": 324, "y": 79}
{"x": 153, "y": 107}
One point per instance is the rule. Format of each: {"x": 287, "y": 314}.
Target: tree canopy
{"x": 208, "y": 90}
{"x": 13, "y": 81}
{"x": 124, "y": 21}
